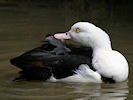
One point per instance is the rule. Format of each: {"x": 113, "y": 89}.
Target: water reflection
{"x": 118, "y": 91}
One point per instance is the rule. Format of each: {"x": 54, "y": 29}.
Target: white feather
{"x": 82, "y": 74}
{"x": 111, "y": 64}
{"x": 107, "y": 62}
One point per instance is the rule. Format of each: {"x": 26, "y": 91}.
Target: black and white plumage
{"x": 43, "y": 62}
{"x": 107, "y": 62}
{"x": 55, "y": 61}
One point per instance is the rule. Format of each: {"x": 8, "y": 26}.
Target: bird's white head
{"x": 87, "y": 34}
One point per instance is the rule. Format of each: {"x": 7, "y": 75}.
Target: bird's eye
{"x": 77, "y": 30}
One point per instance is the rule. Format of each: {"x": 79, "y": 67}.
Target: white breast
{"x": 111, "y": 64}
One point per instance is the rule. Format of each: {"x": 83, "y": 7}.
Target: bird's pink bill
{"x": 62, "y": 36}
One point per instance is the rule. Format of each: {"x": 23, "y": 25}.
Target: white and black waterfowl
{"x": 93, "y": 62}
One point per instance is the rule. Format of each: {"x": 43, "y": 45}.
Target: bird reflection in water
{"x": 118, "y": 91}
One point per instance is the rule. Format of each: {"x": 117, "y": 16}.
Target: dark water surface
{"x": 22, "y": 27}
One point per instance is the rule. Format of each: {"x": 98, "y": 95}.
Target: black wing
{"x": 40, "y": 63}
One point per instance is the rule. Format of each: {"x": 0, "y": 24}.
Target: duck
{"x": 95, "y": 61}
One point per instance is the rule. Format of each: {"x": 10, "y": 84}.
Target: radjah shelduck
{"x": 55, "y": 61}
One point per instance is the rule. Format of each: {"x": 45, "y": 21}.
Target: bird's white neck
{"x": 102, "y": 48}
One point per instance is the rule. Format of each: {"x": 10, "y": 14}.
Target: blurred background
{"x": 24, "y": 23}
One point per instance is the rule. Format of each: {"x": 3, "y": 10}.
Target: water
{"x": 22, "y": 27}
